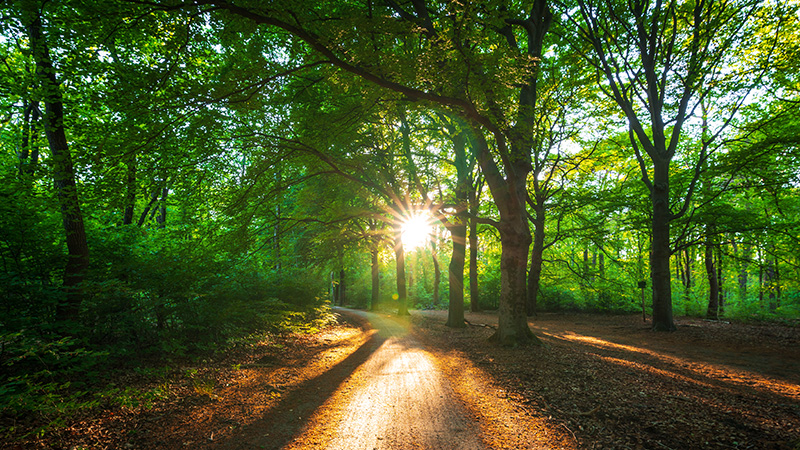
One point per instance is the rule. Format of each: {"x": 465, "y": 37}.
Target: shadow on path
{"x": 284, "y": 422}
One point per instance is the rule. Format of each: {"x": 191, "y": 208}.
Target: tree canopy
{"x": 179, "y": 174}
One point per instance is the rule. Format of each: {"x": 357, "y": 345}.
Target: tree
{"x": 562, "y": 90}
{"x": 659, "y": 63}
{"x": 63, "y": 170}
{"x": 490, "y": 83}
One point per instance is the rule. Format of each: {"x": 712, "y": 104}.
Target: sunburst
{"x": 416, "y": 230}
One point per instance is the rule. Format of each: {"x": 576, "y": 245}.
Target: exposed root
{"x": 485, "y": 325}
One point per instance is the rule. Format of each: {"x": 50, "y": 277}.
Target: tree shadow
{"x": 737, "y": 405}
{"x": 287, "y": 419}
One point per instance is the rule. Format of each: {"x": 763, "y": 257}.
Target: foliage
{"x": 231, "y": 176}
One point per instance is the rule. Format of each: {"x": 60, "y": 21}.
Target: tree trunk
{"x": 29, "y": 152}
{"x": 743, "y": 272}
{"x": 515, "y": 241}
{"x": 161, "y": 218}
{"x": 720, "y": 279}
{"x": 771, "y": 278}
{"x": 130, "y": 190}
{"x": 63, "y": 178}
{"x": 659, "y": 259}
{"x": 376, "y": 279}
{"x": 474, "y": 294}
{"x": 688, "y": 275}
{"x": 437, "y": 274}
{"x": 342, "y": 287}
{"x": 455, "y": 311}
{"x": 512, "y": 318}
{"x": 760, "y": 281}
{"x": 146, "y": 211}
{"x": 458, "y": 232}
{"x": 601, "y": 265}
{"x": 400, "y": 264}
{"x": 537, "y": 256}
{"x": 334, "y": 288}
{"x": 712, "y": 312}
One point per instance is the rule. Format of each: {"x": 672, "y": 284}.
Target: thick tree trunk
{"x": 659, "y": 259}
{"x": 400, "y": 265}
{"x": 712, "y": 312}
{"x": 510, "y": 196}
{"x": 458, "y": 233}
{"x": 455, "y": 311}
{"x": 63, "y": 178}
{"x": 512, "y": 318}
{"x": 376, "y": 279}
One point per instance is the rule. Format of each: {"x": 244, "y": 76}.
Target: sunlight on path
{"x": 701, "y": 368}
{"x": 402, "y": 401}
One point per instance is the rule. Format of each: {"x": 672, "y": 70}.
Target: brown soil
{"x": 598, "y": 382}
{"x": 613, "y": 383}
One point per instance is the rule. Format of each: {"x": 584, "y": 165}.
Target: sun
{"x": 416, "y": 231}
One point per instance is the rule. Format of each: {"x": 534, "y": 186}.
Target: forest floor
{"x": 615, "y": 384}
{"x": 597, "y": 382}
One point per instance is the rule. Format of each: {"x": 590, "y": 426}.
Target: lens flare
{"x": 416, "y": 231}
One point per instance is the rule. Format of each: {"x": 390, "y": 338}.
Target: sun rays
{"x": 416, "y": 230}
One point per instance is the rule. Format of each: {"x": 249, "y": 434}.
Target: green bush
{"x": 46, "y": 378}
{"x": 559, "y": 300}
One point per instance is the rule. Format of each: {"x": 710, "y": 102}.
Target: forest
{"x": 181, "y": 176}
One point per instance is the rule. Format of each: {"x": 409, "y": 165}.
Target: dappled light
{"x": 610, "y": 381}
{"x": 703, "y": 370}
{"x": 232, "y": 224}
{"x": 397, "y": 398}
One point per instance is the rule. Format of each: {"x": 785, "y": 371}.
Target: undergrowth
{"x": 47, "y": 381}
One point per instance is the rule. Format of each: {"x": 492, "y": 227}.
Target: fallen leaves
{"x": 613, "y": 383}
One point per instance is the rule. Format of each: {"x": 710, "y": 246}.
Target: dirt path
{"x": 404, "y": 396}
{"x": 376, "y": 381}
{"x": 399, "y": 399}
{"x": 407, "y": 395}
